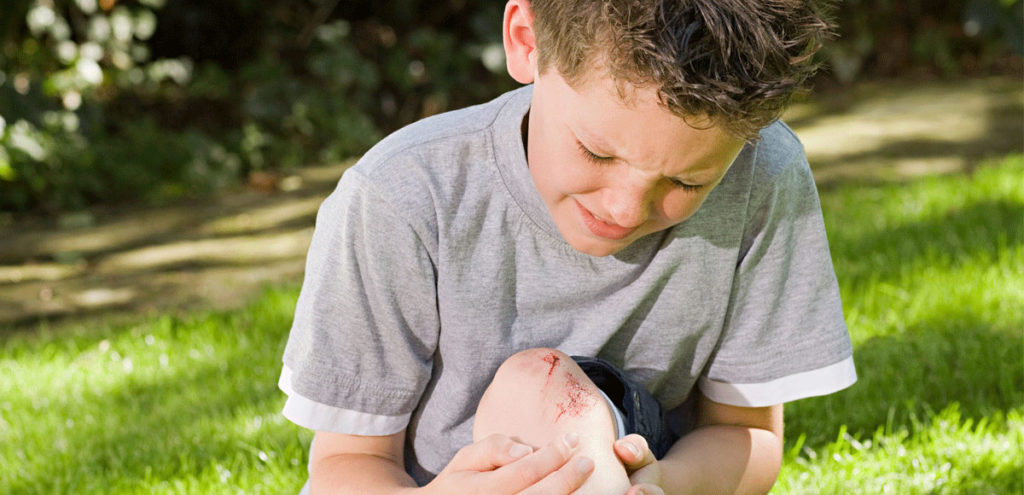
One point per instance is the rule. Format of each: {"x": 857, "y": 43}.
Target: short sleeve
{"x": 360, "y": 350}
{"x": 784, "y": 336}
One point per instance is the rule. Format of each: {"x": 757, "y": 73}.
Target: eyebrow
{"x": 700, "y": 168}
{"x": 593, "y": 140}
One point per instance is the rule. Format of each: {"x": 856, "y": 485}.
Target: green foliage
{"x": 126, "y": 101}
{"x": 946, "y": 37}
{"x": 62, "y": 69}
{"x": 289, "y": 119}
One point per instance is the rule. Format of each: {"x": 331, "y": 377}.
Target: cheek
{"x": 561, "y": 172}
{"x": 679, "y": 205}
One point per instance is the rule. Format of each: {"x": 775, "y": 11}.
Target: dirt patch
{"x": 215, "y": 253}
{"x": 900, "y": 130}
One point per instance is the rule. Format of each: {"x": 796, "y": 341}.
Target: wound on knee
{"x": 553, "y": 360}
{"x": 578, "y": 399}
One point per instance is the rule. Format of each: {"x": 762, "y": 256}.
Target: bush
{"x": 141, "y": 101}
{"x": 942, "y": 37}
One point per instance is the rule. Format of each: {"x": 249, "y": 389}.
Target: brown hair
{"x": 736, "y": 62}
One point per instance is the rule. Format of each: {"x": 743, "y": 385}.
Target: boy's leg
{"x": 540, "y": 394}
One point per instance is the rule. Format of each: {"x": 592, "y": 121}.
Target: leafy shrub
{"x": 945, "y": 37}
{"x": 131, "y": 101}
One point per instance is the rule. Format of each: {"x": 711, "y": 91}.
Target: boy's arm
{"x": 497, "y": 465}
{"x": 358, "y": 464}
{"x": 733, "y": 450}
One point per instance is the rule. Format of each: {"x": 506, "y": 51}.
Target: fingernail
{"x": 584, "y": 465}
{"x": 633, "y": 450}
{"x": 519, "y": 450}
{"x": 572, "y": 440}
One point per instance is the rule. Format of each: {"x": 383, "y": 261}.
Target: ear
{"x": 520, "y": 42}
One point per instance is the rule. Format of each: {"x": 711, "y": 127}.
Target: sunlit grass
{"x": 165, "y": 405}
{"x": 945, "y": 453}
{"x": 932, "y": 278}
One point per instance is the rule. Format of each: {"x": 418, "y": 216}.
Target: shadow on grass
{"x": 214, "y": 253}
{"x": 124, "y": 227}
{"x": 1005, "y": 478}
{"x": 894, "y": 132}
{"x": 174, "y": 288}
{"x": 973, "y": 153}
{"x": 951, "y": 356}
{"x": 954, "y": 357}
{"x": 146, "y": 227}
{"x": 960, "y": 235}
{"x": 1003, "y": 135}
{"x": 174, "y": 426}
{"x": 1002, "y": 94}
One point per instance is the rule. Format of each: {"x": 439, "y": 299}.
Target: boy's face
{"x": 612, "y": 171}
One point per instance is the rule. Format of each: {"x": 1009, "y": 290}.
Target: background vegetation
{"x": 148, "y": 100}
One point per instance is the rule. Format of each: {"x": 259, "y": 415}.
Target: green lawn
{"x": 932, "y": 277}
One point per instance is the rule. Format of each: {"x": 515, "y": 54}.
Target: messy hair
{"x": 736, "y": 63}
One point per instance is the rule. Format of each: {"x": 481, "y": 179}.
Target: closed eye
{"x": 593, "y": 157}
{"x": 686, "y": 187}
{"x": 604, "y": 160}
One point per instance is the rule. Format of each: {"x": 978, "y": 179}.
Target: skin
{"x": 656, "y": 172}
{"x": 539, "y": 394}
{"x": 612, "y": 170}
{"x": 496, "y": 464}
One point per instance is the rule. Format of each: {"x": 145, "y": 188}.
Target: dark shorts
{"x": 643, "y": 414}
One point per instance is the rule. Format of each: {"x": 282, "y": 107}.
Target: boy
{"x": 635, "y": 204}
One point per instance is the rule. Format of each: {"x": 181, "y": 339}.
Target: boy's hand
{"x": 499, "y": 465}
{"x": 643, "y": 469}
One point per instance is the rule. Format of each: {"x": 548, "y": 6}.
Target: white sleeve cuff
{"x": 821, "y": 381}
{"x": 321, "y": 417}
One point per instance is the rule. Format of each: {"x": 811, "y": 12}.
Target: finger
{"x": 633, "y": 451}
{"x": 528, "y": 470}
{"x": 645, "y": 490}
{"x": 489, "y": 454}
{"x": 566, "y": 480}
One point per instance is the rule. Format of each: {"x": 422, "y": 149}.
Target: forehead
{"x": 630, "y": 122}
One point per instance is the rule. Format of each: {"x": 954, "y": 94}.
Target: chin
{"x": 597, "y": 249}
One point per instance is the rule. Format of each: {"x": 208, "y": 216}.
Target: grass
{"x": 165, "y": 405}
{"x": 932, "y": 278}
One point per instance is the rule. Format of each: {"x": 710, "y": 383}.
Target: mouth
{"x": 601, "y": 228}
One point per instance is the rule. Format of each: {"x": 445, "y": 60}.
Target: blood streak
{"x": 553, "y": 360}
{"x": 578, "y": 399}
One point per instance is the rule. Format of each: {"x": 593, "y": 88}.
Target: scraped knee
{"x": 532, "y": 366}
{"x": 538, "y": 395}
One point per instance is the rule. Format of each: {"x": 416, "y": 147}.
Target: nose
{"x": 628, "y": 203}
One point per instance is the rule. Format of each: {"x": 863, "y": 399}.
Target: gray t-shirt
{"x": 435, "y": 259}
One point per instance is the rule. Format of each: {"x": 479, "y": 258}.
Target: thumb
{"x": 489, "y": 454}
{"x": 633, "y": 451}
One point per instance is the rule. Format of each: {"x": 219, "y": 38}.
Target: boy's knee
{"x": 537, "y": 364}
